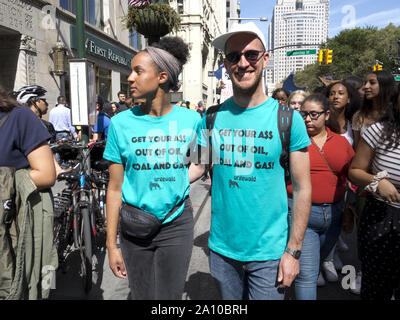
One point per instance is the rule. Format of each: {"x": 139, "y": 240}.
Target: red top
{"x": 326, "y": 187}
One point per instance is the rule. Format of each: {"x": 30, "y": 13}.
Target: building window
{"x": 125, "y": 85}
{"x": 180, "y": 6}
{"x": 134, "y": 39}
{"x": 103, "y": 83}
{"x": 92, "y": 10}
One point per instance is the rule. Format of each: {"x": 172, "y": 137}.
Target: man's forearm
{"x": 301, "y": 213}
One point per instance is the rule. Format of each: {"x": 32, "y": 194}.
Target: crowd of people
{"x": 266, "y": 233}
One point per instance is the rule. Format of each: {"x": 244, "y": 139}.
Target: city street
{"x": 199, "y": 283}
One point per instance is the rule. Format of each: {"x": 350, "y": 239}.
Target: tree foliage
{"x": 355, "y": 51}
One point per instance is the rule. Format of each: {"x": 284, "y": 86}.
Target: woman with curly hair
{"x": 149, "y": 177}
{"x": 281, "y": 95}
{"x": 376, "y": 168}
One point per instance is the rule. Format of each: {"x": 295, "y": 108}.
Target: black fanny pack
{"x": 140, "y": 224}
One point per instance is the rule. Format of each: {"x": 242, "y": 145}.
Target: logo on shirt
{"x": 233, "y": 184}
{"x": 154, "y": 186}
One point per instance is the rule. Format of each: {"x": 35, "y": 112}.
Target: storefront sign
{"x": 101, "y": 49}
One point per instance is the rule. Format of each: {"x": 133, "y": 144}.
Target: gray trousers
{"x": 157, "y": 268}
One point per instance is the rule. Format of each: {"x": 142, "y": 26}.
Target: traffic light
{"x": 378, "y": 67}
{"x": 321, "y": 56}
{"x": 329, "y": 56}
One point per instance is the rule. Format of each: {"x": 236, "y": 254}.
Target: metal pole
{"x": 80, "y": 36}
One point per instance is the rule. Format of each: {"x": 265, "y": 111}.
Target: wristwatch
{"x": 294, "y": 253}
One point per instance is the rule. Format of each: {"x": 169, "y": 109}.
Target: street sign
{"x": 306, "y": 52}
{"x": 397, "y": 77}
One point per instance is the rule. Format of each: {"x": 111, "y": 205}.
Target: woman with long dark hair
{"x": 330, "y": 157}
{"x": 345, "y": 102}
{"x": 149, "y": 177}
{"x": 378, "y": 95}
{"x": 376, "y": 168}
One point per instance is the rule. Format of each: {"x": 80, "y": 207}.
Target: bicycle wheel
{"x": 85, "y": 248}
{"x": 62, "y": 224}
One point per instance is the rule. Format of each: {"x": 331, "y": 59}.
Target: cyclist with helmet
{"x": 34, "y": 97}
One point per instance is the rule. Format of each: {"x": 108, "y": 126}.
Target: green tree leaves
{"x": 355, "y": 51}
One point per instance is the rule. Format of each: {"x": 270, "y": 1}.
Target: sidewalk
{"x": 105, "y": 285}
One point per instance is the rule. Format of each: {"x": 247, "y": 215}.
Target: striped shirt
{"x": 388, "y": 160}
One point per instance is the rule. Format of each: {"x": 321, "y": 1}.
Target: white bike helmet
{"x": 26, "y": 93}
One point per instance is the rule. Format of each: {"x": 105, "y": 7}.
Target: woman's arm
{"x": 356, "y": 138}
{"x": 114, "y": 201}
{"x": 43, "y": 172}
{"x": 358, "y": 172}
{"x": 196, "y": 171}
{"x": 359, "y": 175}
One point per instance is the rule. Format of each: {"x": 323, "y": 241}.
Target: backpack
{"x": 285, "y": 117}
{"x": 7, "y": 216}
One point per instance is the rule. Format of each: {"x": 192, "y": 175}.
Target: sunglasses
{"x": 251, "y": 56}
{"x": 314, "y": 115}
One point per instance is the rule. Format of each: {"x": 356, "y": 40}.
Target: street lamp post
{"x": 263, "y": 19}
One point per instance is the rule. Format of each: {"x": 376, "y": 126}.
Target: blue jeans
{"x": 238, "y": 280}
{"x": 322, "y": 232}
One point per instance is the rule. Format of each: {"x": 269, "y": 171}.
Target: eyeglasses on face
{"x": 314, "y": 115}
{"x": 250, "y": 55}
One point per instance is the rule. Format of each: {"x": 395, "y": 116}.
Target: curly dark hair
{"x": 175, "y": 46}
{"x": 355, "y": 102}
{"x": 284, "y": 90}
{"x": 7, "y": 102}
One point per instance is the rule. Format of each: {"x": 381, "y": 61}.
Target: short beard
{"x": 247, "y": 92}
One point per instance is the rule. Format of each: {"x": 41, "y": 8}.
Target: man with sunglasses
{"x": 253, "y": 253}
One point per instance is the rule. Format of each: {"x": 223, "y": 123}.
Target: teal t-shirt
{"x": 249, "y": 200}
{"x": 153, "y": 151}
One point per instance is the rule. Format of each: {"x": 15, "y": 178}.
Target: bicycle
{"x": 77, "y": 212}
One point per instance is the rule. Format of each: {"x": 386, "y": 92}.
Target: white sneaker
{"x": 330, "y": 272}
{"x": 337, "y": 261}
{"x": 321, "y": 281}
{"x": 357, "y": 289}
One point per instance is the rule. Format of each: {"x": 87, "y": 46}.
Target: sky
{"x": 344, "y": 14}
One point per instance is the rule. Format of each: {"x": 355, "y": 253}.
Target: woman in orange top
{"x": 330, "y": 157}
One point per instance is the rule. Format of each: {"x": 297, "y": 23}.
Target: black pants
{"x": 379, "y": 249}
{"x": 157, "y": 268}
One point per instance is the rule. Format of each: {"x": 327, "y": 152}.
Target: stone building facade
{"x": 29, "y": 30}
{"x": 202, "y": 22}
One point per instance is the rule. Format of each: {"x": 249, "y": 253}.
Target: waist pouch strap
{"x": 140, "y": 224}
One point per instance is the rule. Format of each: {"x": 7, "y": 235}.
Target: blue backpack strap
{"x": 285, "y": 118}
